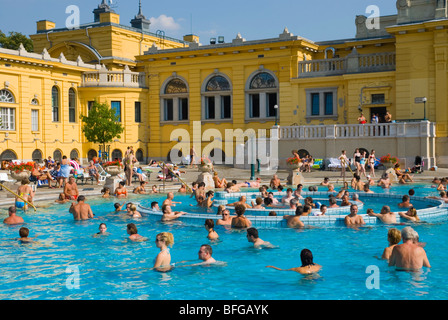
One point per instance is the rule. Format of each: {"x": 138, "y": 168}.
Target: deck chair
{"x": 418, "y": 165}
{"x": 102, "y": 172}
{"x": 5, "y": 178}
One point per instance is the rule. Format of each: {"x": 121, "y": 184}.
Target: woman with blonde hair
{"x": 162, "y": 262}
{"x": 410, "y": 215}
{"x": 393, "y": 237}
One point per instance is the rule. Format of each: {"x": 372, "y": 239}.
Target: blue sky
{"x": 261, "y": 19}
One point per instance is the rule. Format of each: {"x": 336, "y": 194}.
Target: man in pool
{"x": 13, "y": 218}
{"x": 252, "y": 236}
{"x": 226, "y": 219}
{"x": 205, "y": 254}
{"x": 288, "y": 197}
{"x": 81, "y": 210}
{"x": 405, "y": 202}
{"x": 242, "y": 202}
{"x": 385, "y": 181}
{"x": 294, "y": 221}
{"x": 169, "y": 200}
{"x": 386, "y": 216}
{"x": 353, "y": 219}
{"x": 169, "y": 215}
{"x": 155, "y": 206}
{"x": 409, "y": 256}
{"x": 240, "y": 221}
{"x": 275, "y": 182}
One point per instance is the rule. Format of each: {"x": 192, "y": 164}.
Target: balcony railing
{"x": 347, "y": 131}
{"x": 353, "y": 63}
{"x": 106, "y": 78}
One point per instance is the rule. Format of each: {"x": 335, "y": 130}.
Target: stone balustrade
{"x": 376, "y": 131}
{"x": 106, "y": 78}
{"x": 353, "y": 63}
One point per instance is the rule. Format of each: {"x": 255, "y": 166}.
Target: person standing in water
{"x": 307, "y": 267}
{"x": 164, "y": 241}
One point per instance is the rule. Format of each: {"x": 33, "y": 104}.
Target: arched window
{"x": 34, "y": 102}
{"x": 91, "y": 154}
{"x": 37, "y": 155}
{"x": 217, "y": 99}
{"x": 261, "y": 96}
{"x": 7, "y": 96}
{"x": 74, "y": 154}
{"x": 55, "y": 103}
{"x": 174, "y": 101}
{"x": 8, "y": 155}
{"x": 116, "y": 154}
{"x": 139, "y": 155}
{"x": 71, "y": 105}
{"x": 57, "y": 155}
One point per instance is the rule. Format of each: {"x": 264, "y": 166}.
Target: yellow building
{"x": 315, "y": 91}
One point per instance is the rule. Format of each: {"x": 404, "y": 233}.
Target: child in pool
{"x": 103, "y": 230}
{"x": 105, "y": 192}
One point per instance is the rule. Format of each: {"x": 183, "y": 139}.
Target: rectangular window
{"x": 169, "y": 111}
{"x": 271, "y": 101}
{"x": 89, "y": 105}
{"x": 210, "y": 108}
{"x": 255, "y": 105}
{"x": 315, "y": 104}
{"x": 34, "y": 120}
{"x": 116, "y": 105}
{"x": 183, "y": 108}
{"x": 8, "y": 116}
{"x": 226, "y": 108}
{"x": 138, "y": 111}
{"x": 328, "y": 98}
{"x": 71, "y": 114}
{"x": 378, "y": 98}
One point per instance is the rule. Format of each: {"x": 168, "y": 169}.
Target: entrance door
{"x": 380, "y": 111}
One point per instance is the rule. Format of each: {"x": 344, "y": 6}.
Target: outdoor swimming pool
{"x": 114, "y": 268}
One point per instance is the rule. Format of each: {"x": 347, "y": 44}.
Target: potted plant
{"x": 206, "y": 165}
{"x": 293, "y": 163}
{"x": 21, "y": 170}
{"x": 388, "y": 161}
{"x": 113, "y": 167}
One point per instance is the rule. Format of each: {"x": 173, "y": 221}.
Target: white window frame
{"x": 217, "y": 96}
{"x": 176, "y": 102}
{"x": 263, "y": 97}
{"x": 34, "y": 120}
{"x": 8, "y": 116}
{"x": 321, "y": 92}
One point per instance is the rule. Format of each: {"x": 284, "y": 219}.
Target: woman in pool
{"x": 133, "y": 211}
{"x": 210, "y": 227}
{"x": 133, "y": 233}
{"x": 26, "y": 192}
{"x": 393, "y": 237}
{"x": 162, "y": 262}
{"x": 307, "y": 267}
{"x": 410, "y": 215}
{"x": 121, "y": 191}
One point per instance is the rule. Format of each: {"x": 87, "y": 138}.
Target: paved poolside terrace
{"x": 44, "y": 194}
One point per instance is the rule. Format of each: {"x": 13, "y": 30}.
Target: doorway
{"x": 380, "y": 111}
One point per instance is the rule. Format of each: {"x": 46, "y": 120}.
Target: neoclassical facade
{"x": 314, "y": 91}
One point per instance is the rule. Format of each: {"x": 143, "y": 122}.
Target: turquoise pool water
{"x": 114, "y": 268}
